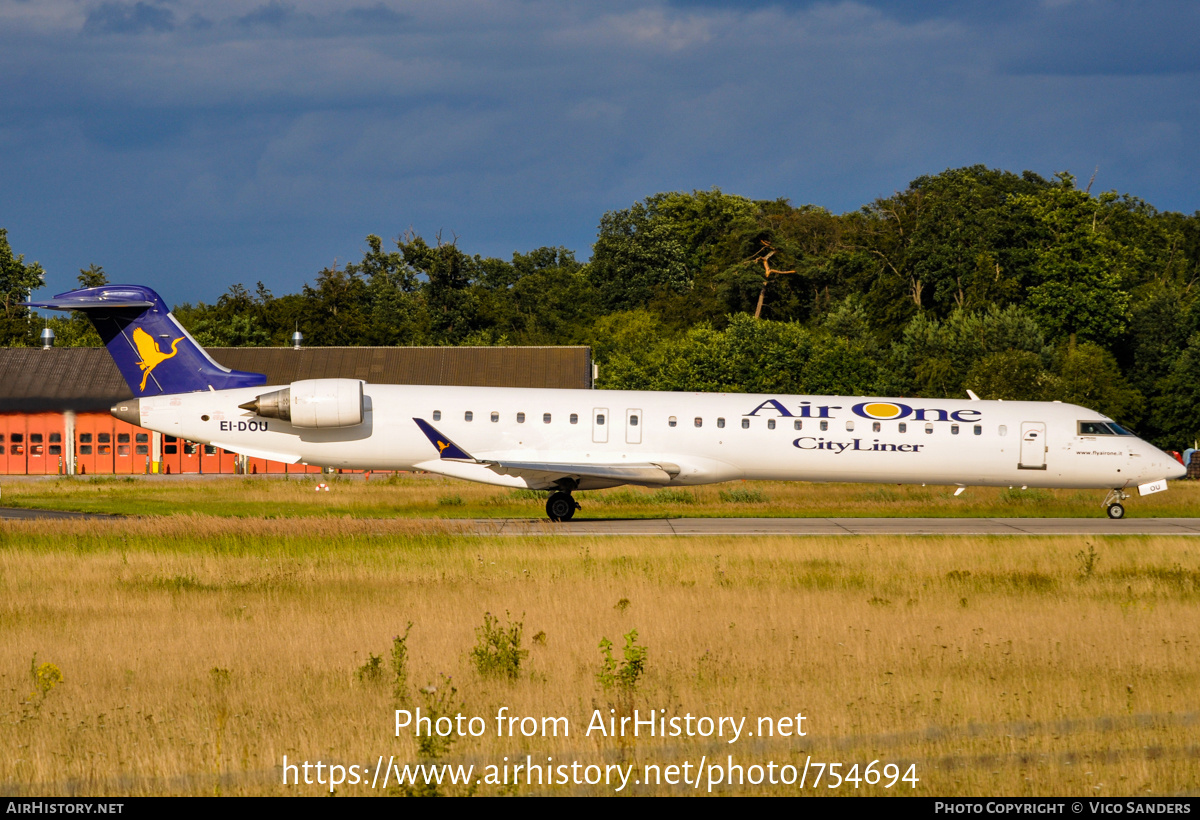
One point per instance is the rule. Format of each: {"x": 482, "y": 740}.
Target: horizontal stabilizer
{"x": 151, "y": 349}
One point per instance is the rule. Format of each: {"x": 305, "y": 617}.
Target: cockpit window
{"x": 1094, "y": 428}
{"x": 1119, "y": 430}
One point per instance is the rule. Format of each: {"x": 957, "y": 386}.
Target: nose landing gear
{"x": 561, "y": 506}
{"x": 1113, "y": 503}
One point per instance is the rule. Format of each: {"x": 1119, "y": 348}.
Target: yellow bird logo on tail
{"x": 152, "y": 355}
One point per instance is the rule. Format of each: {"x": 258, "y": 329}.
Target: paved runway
{"x": 781, "y": 526}
{"x": 844, "y": 526}
{"x": 17, "y": 513}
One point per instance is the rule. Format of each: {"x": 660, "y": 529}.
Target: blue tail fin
{"x": 152, "y": 350}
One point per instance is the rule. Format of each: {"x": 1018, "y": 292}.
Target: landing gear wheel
{"x": 1116, "y": 511}
{"x": 561, "y": 506}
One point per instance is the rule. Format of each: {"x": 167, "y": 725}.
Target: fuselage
{"x": 708, "y": 437}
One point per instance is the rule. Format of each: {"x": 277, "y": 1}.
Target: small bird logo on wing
{"x": 152, "y": 356}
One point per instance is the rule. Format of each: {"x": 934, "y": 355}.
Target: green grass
{"x": 420, "y": 496}
{"x": 188, "y": 654}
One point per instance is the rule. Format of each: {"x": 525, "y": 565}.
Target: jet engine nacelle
{"x": 313, "y": 403}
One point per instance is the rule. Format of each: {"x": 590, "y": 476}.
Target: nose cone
{"x": 1176, "y": 470}
{"x": 129, "y": 410}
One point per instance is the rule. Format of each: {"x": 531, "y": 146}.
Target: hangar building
{"x": 54, "y": 403}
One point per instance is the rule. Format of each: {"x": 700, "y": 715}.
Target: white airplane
{"x": 567, "y": 440}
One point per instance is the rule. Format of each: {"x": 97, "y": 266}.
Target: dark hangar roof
{"x": 85, "y": 378}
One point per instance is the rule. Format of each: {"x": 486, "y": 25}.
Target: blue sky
{"x": 191, "y": 145}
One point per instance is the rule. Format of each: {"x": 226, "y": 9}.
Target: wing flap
{"x": 630, "y": 473}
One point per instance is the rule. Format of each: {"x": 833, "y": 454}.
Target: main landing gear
{"x": 1113, "y": 503}
{"x": 561, "y": 506}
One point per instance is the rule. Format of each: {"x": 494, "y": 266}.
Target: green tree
{"x": 17, "y": 282}
{"x": 1175, "y": 415}
{"x": 449, "y": 274}
{"x": 1080, "y": 270}
{"x": 335, "y": 310}
{"x": 934, "y": 358}
{"x": 660, "y": 246}
{"x": 1088, "y": 375}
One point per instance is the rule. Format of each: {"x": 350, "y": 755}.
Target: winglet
{"x": 447, "y": 449}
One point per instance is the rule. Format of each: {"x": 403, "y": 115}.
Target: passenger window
{"x": 574, "y": 418}
{"x": 140, "y": 438}
{"x": 1003, "y": 429}
{"x": 928, "y": 428}
{"x": 824, "y": 426}
{"x": 799, "y": 425}
{"x": 902, "y": 427}
{"x": 721, "y": 422}
{"x": 770, "y": 424}
{"x": 849, "y": 427}
{"x": 979, "y": 429}
{"x": 671, "y": 421}
{"x": 495, "y": 417}
{"x": 437, "y": 415}
{"x": 85, "y": 438}
{"x": 876, "y": 427}
{"x": 745, "y": 424}
{"x": 520, "y": 418}
{"x": 122, "y": 438}
{"x": 699, "y": 421}
{"x": 546, "y": 418}
{"x": 954, "y": 429}
{"x": 633, "y": 421}
{"x": 600, "y": 419}
{"x": 35, "y": 438}
{"x": 468, "y": 416}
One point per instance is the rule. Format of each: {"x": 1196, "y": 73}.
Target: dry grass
{"x": 409, "y": 495}
{"x": 197, "y": 651}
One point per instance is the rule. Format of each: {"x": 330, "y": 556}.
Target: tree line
{"x": 1011, "y": 285}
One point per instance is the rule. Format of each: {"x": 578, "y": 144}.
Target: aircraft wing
{"x": 550, "y": 472}
{"x": 456, "y": 462}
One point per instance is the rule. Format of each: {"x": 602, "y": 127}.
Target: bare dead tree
{"x": 764, "y": 256}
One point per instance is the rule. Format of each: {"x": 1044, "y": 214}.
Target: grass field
{"x": 188, "y": 654}
{"x": 409, "y": 495}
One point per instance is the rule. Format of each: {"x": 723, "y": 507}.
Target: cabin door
{"x": 1033, "y": 445}
{"x": 600, "y": 425}
{"x": 633, "y": 426}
